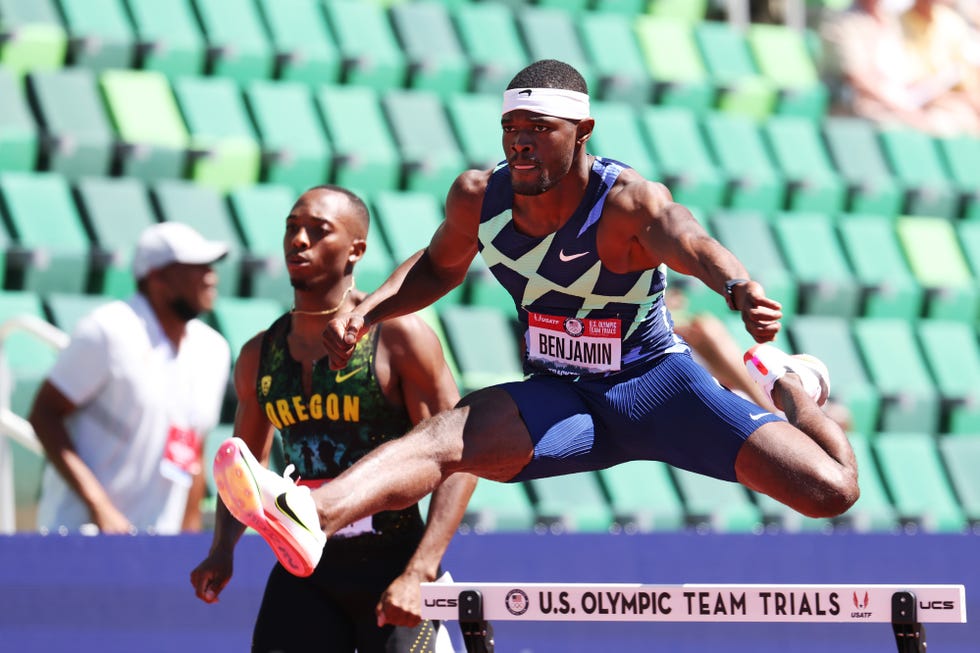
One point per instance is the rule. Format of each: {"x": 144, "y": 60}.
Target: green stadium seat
{"x": 683, "y": 157}
{"x": 910, "y": 399}
{"x": 304, "y": 47}
{"x": 962, "y": 158}
{"x": 953, "y": 355}
{"x": 916, "y": 161}
{"x": 729, "y": 62}
{"x": 46, "y": 226}
{"x": 643, "y": 496}
{"x": 225, "y": 151}
{"x": 913, "y": 473}
{"x": 431, "y": 156}
{"x": 800, "y": 153}
{"x": 940, "y": 266}
{"x": 618, "y": 134}
{"x": 18, "y": 133}
{"x": 856, "y": 152}
{"x": 101, "y": 34}
{"x": 610, "y": 43}
{"x": 832, "y": 341}
{"x": 78, "y": 136}
{"x": 749, "y": 236}
{"x": 377, "y": 264}
{"x": 475, "y": 118}
{"x": 754, "y": 182}
{"x": 430, "y": 316}
{"x": 260, "y": 212}
{"x": 368, "y": 46}
{"x": 782, "y": 57}
{"x": 151, "y": 131}
{"x": 28, "y": 359}
{"x": 67, "y": 309}
{"x": 968, "y": 232}
{"x": 407, "y": 221}
{"x": 436, "y": 60}
{"x": 880, "y": 267}
{"x": 873, "y": 511}
{"x": 492, "y": 44}
{"x": 716, "y": 505}
{"x": 204, "y": 209}
{"x": 814, "y": 255}
{"x": 170, "y": 38}
{"x": 483, "y": 345}
{"x": 296, "y": 152}
{"x": 961, "y": 456}
{"x": 571, "y": 503}
{"x": 238, "y": 43}
{"x": 551, "y": 33}
{"x": 624, "y": 7}
{"x": 689, "y": 11}
{"x": 239, "y": 319}
{"x": 116, "y": 210}
{"x": 575, "y": 7}
{"x": 674, "y": 63}
{"x": 366, "y": 156}
{"x": 32, "y": 36}
{"x": 499, "y": 507}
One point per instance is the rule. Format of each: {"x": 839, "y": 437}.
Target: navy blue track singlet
{"x": 564, "y": 294}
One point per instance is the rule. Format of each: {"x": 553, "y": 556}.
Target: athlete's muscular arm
{"x": 661, "y": 231}
{"x": 252, "y": 426}
{"x": 423, "y": 278}
{"x": 427, "y": 388}
{"x": 48, "y": 413}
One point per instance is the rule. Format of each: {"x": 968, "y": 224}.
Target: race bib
{"x": 570, "y": 345}
{"x": 181, "y": 455}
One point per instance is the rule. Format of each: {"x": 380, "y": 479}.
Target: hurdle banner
{"x": 906, "y": 607}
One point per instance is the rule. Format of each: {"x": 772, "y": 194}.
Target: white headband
{"x": 556, "y": 102}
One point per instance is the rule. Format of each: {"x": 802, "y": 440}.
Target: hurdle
{"x": 905, "y": 607}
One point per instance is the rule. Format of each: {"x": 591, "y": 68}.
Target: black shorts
{"x": 332, "y": 611}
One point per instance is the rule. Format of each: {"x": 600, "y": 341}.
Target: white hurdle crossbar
{"x": 906, "y": 607}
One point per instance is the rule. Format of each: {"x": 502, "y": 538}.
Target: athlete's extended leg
{"x": 483, "y": 435}
{"x": 807, "y": 463}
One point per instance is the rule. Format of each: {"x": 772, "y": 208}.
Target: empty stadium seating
{"x": 118, "y": 113}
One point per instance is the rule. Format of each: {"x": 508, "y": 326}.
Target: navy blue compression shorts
{"x": 670, "y": 409}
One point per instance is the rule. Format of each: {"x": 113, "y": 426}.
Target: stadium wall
{"x": 126, "y": 594}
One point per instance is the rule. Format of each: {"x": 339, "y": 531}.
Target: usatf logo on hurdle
{"x": 694, "y": 602}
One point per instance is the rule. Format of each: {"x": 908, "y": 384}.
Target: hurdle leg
{"x": 477, "y": 632}
{"x": 910, "y": 635}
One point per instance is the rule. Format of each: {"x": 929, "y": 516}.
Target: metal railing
{"x": 13, "y": 426}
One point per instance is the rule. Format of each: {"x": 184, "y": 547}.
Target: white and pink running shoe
{"x": 767, "y": 364}
{"x": 278, "y": 509}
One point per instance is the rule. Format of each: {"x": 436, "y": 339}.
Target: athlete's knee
{"x": 835, "y": 492}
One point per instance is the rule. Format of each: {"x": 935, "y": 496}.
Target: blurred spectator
{"x": 905, "y": 64}
{"x": 123, "y": 413}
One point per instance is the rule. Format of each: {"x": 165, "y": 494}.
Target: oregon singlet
{"x": 579, "y": 317}
{"x": 344, "y": 417}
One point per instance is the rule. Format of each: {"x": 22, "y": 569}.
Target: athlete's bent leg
{"x": 484, "y": 435}
{"x": 807, "y": 463}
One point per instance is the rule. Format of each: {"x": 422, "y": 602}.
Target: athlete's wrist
{"x": 730, "y": 288}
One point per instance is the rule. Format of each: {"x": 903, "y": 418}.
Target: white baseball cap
{"x": 174, "y": 242}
